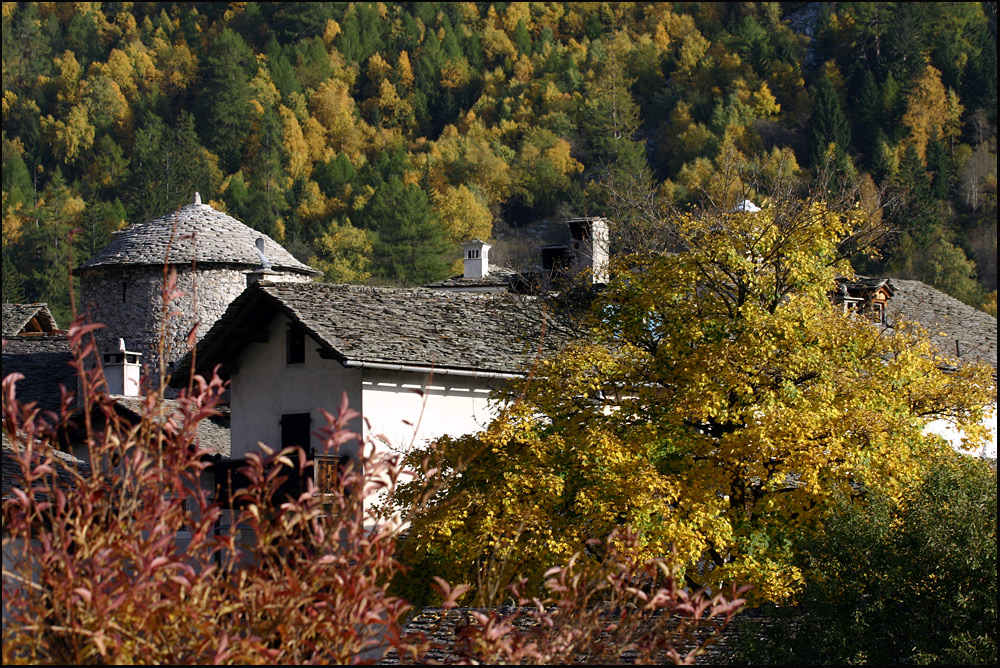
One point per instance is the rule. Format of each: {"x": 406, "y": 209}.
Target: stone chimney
{"x": 477, "y": 263}
{"x": 589, "y": 247}
{"x": 122, "y": 370}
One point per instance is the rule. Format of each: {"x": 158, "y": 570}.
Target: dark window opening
{"x": 295, "y": 432}
{"x": 295, "y": 345}
{"x": 124, "y": 288}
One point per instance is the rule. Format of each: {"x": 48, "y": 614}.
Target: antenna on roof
{"x": 197, "y": 197}
{"x": 259, "y": 245}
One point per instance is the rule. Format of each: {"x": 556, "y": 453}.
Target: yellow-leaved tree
{"x": 721, "y": 402}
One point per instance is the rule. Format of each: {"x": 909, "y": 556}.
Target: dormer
{"x": 122, "y": 371}
{"x": 865, "y": 296}
{"x": 476, "y": 255}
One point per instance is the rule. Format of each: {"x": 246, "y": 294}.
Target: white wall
{"x": 413, "y": 408}
{"x": 403, "y": 407}
{"x": 954, "y": 437}
{"x": 265, "y": 388}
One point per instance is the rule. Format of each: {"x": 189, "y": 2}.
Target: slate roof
{"x": 487, "y": 333}
{"x": 217, "y": 239}
{"x": 946, "y": 320}
{"x": 64, "y": 467}
{"x": 18, "y": 316}
{"x": 213, "y": 432}
{"x": 497, "y": 278}
{"x": 443, "y": 629}
{"x": 45, "y": 363}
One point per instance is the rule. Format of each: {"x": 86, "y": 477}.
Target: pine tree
{"x": 228, "y": 122}
{"x": 266, "y": 177}
{"x": 883, "y": 167}
{"x": 867, "y": 115}
{"x": 13, "y": 281}
{"x": 410, "y": 240}
{"x": 282, "y": 72}
{"x": 17, "y": 186}
{"x": 939, "y": 168}
{"x": 828, "y": 124}
{"x": 522, "y": 38}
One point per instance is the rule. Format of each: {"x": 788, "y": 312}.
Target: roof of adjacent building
{"x": 65, "y": 468}
{"x": 194, "y": 233}
{"x": 213, "y": 432}
{"x": 27, "y": 319}
{"x": 486, "y": 333}
{"x": 45, "y": 363}
{"x": 443, "y": 631}
{"x": 864, "y": 285}
{"x": 497, "y": 277}
{"x": 946, "y": 319}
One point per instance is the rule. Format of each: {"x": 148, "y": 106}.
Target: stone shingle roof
{"x": 946, "y": 320}
{"x": 65, "y": 466}
{"x": 498, "y": 277}
{"x": 486, "y": 333}
{"x": 45, "y": 363}
{"x": 17, "y": 316}
{"x": 213, "y": 238}
{"x": 213, "y": 432}
{"x": 443, "y": 630}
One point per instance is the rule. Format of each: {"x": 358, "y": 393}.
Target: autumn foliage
{"x": 719, "y": 406}
{"x": 126, "y": 562}
{"x": 292, "y": 117}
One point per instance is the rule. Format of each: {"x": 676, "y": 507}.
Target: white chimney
{"x": 477, "y": 262}
{"x": 590, "y": 247}
{"x": 122, "y": 370}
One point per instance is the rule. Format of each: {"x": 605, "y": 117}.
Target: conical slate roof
{"x": 201, "y": 234}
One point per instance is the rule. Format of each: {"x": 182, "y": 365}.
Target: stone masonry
{"x": 212, "y": 253}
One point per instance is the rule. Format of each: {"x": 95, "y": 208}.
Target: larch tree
{"x": 719, "y": 405}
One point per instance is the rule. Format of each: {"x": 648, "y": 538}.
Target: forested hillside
{"x": 371, "y": 138}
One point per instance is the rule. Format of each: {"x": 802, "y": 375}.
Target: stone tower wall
{"x": 127, "y": 299}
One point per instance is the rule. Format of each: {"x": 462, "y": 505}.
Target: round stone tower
{"x": 213, "y": 255}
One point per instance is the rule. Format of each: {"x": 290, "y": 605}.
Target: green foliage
{"x": 908, "y": 581}
{"x": 410, "y": 244}
{"x": 17, "y": 186}
{"x": 169, "y": 166}
{"x": 828, "y": 124}
{"x": 228, "y": 68}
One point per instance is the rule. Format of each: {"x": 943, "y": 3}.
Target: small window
{"x": 295, "y": 432}
{"x": 473, "y": 255}
{"x": 295, "y": 345}
{"x": 878, "y": 312}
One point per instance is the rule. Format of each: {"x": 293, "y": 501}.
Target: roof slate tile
{"x": 194, "y": 233}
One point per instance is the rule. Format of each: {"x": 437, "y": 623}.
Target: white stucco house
{"x": 415, "y": 363}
